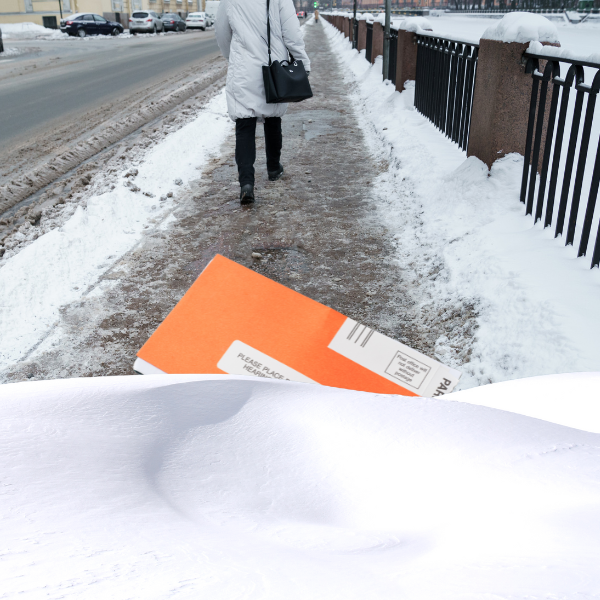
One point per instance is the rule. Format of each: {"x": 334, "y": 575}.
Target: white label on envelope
{"x": 394, "y": 361}
{"x": 241, "y": 359}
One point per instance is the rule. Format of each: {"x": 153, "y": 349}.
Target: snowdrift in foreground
{"x": 228, "y": 487}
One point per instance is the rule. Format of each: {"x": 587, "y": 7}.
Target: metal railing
{"x": 369, "y": 48}
{"x": 445, "y": 82}
{"x": 392, "y": 62}
{"x": 554, "y": 161}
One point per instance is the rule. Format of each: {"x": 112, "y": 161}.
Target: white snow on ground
{"x": 228, "y": 487}
{"x": 30, "y": 31}
{"x": 60, "y": 266}
{"x": 522, "y": 28}
{"x": 8, "y": 52}
{"x": 581, "y": 38}
{"x": 568, "y": 399}
{"x": 463, "y": 237}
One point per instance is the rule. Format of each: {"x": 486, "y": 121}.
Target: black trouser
{"x": 245, "y": 146}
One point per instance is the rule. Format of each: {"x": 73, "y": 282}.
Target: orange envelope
{"x": 233, "y": 320}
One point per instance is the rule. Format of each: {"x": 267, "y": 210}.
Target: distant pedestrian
{"x": 241, "y": 29}
{"x": 316, "y": 16}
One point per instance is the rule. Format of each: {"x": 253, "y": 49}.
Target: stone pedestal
{"x": 362, "y": 35}
{"x": 406, "y": 58}
{"x": 377, "y": 49}
{"x": 501, "y": 102}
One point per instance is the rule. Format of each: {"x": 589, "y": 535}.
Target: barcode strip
{"x": 367, "y": 338}
{"x": 360, "y": 334}
{"x": 353, "y": 330}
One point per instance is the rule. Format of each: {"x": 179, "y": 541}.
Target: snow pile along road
{"x": 227, "y": 487}
{"x": 466, "y": 244}
{"x": 30, "y": 31}
{"x": 64, "y": 264}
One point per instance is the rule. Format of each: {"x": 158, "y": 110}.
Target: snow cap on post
{"x": 523, "y": 27}
{"x": 415, "y": 25}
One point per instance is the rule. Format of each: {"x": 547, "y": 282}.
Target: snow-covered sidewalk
{"x": 463, "y": 235}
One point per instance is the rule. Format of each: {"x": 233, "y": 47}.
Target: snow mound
{"x": 415, "y": 24}
{"x": 29, "y": 31}
{"x": 544, "y": 398}
{"x": 522, "y": 27}
{"x": 223, "y": 487}
{"x": 538, "y": 48}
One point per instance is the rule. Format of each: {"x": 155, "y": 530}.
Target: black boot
{"x": 277, "y": 174}
{"x": 247, "y": 194}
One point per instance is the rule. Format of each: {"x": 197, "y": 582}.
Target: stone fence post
{"x": 377, "y": 48}
{"x": 406, "y": 58}
{"x": 502, "y": 95}
{"x": 362, "y": 35}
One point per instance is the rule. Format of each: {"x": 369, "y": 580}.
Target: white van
{"x": 211, "y": 8}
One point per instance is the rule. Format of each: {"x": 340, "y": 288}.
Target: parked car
{"x": 173, "y": 22}
{"x": 301, "y": 14}
{"x": 83, "y": 24}
{"x": 145, "y": 21}
{"x": 198, "y": 20}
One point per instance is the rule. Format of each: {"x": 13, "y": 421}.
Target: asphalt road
{"x": 57, "y": 80}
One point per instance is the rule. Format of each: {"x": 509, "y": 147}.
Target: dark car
{"x": 173, "y": 22}
{"x": 83, "y": 24}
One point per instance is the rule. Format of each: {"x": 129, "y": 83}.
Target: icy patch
{"x": 522, "y": 27}
{"x": 61, "y": 265}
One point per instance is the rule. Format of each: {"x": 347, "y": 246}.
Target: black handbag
{"x": 285, "y": 81}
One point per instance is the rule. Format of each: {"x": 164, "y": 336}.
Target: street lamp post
{"x": 354, "y": 27}
{"x": 386, "y": 39}
{"x": 60, "y": 8}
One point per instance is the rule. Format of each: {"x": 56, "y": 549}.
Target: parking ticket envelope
{"x": 238, "y": 322}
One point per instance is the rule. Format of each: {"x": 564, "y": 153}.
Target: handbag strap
{"x": 269, "y": 33}
{"x": 269, "y": 30}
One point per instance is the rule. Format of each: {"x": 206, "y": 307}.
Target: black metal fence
{"x": 555, "y": 181}
{"x": 392, "y": 62}
{"x": 369, "y": 49}
{"x": 445, "y": 82}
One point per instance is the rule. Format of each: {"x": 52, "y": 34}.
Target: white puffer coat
{"x": 242, "y": 37}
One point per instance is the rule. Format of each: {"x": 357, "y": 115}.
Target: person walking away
{"x": 241, "y": 30}
{"x": 316, "y": 16}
